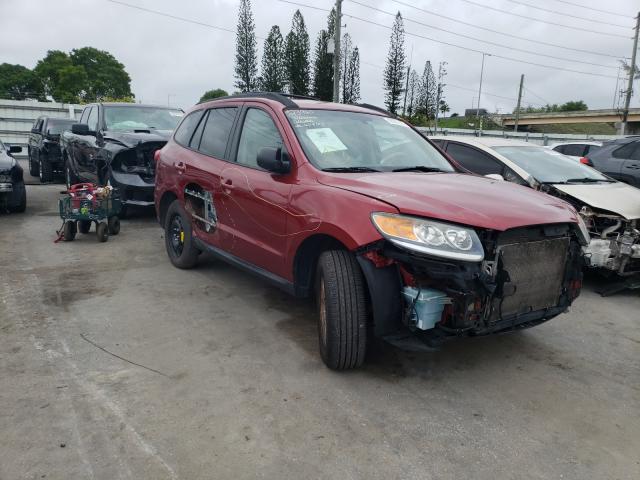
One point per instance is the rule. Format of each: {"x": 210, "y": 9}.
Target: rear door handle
{"x": 180, "y": 167}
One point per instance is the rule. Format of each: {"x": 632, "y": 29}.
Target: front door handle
{"x": 180, "y": 167}
{"x": 227, "y": 186}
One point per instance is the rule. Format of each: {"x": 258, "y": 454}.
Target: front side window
{"x": 258, "y": 132}
{"x": 85, "y": 115}
{"x": 336, "y": 139}
{"x": 129, "y": 118}
{"x": 474, "y": 160}
{"x": 548, "y": 166}
{"x": 216, "y": 131}
{"x": 625, "y": 152}
{"x": 92, "y": 120}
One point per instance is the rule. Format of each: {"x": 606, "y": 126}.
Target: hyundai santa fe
{"x": 354, "y": 207}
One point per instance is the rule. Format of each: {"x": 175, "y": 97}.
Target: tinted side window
{"x": 574, "y": 150}
{"x": 559, "y": 148}
{"x": 217, "y": 130}
{"x": 85, "y": 115}
{"x": 92, "y": 121}
{"x": 185, "y": 130}
{"x": 258, "y": 132}
{"x": 474, "y": 160}
{"x": 625, "y": 151}
{"x": 590, "y": 148}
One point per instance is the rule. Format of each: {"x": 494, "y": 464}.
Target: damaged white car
{"x": 610, "y": 209}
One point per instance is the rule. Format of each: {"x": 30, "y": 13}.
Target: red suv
{"x": 354, "y": 206}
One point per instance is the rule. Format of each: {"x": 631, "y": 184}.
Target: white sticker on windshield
{"x": 176, "y": 114}
{"x": 325, "y": 140}
{"x": 394, "y": 121}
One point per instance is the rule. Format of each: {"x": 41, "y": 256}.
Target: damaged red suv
{"x": 353, "y": 206}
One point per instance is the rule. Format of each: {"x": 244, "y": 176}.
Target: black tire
{"x": 177, "y": 237}
{"x": 22, "y": 203}
{"x": 114, "y": 225}
{"x": 34, "y": 170}
{"x": 69, "y": 177}
{"x": 102, "y": 232}
{"x": 46, "y": 171}
{"x": 84, "y": 226}
{"x": 342, "y": 310}
{"x": 69, "y": 231}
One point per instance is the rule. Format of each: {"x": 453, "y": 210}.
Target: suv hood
{"x": 131, "y": 139}
{"x": 618, "y": 197}
{"x": 459, "y": 198}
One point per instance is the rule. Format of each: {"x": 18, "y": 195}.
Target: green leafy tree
{"x": 19, "y": 83}
{"x": 211, "y": 94}
{"x": 444, "y": 107}
{"x": 246, "y": 51}
{"x": 394, "y": 72}
{"x": 274, "y": 77}
{"x": 573, "y": 106}
{"x": 297, "y": 56}
{"x": 106, "y": 76}
{"x": 52, "y": 67}
{"x": 323, "y": 61}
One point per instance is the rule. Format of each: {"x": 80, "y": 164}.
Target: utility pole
{"x": 480, "y": 90}
{"x": 515, "y": 125}
{"x": 336, "y": 52}
{"x": 632, "y": 72}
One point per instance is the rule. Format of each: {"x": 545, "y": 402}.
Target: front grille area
{"x": 534, "y": 273}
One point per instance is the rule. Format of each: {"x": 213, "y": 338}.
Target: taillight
{"x": 586, "y": 161}
{"x": 156, "y": 156}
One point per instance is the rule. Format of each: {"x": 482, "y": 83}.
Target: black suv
{"x": 45, "y": 159}
{"x": 13, "y": 195}
{"x": 619, "y": 159}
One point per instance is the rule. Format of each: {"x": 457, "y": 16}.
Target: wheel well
{"x": 166, "y": 200}
{"x": 306, "y": 259}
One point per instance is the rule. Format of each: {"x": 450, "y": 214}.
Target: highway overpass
{"x": 588, "y": 116}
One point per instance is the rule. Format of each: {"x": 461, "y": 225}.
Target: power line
{"x": 504, "y": 57}
{"x": 568, "y": 14}
{"x": 307, "y": 6}
{"x": 536, "y": 95}
{"x": 563, "y": 25}
{"x": 530, "y": 52}
{"x": 540, "y": 42}
{"x": 594, "y": 9}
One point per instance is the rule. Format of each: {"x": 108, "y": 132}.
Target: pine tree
{"x": 297, "y": 56}
{"x": 345, "y": 57}
{"x": 427, "y": 95}
{"x": 394, "y": 72}
{"x": 412, "y": 93}
{"x": 274, "y": 76}
{"x": 351, "y": 85}
{"x": 323, "y": 61}
{"x": 246, "y": 68}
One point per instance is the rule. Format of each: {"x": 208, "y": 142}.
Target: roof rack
{"x": 283, "y": 98}
{"x": 377, "y": 109}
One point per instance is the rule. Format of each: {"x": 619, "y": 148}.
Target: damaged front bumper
{"x": 528, "y": 277}
{"x": 132, "y": 171}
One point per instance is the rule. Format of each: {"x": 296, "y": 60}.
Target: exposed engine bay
{"x": 137, "y": 160}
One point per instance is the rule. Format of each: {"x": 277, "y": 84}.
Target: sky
{"x": 174, "y": 62}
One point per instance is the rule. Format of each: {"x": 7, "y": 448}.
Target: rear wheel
{"x": 69, "y": 231}
{"x": 21, "y": 206}
{"x": 177, "y": 237}
{"x": 84, "y": 226}
{"x": 114, "y": 225}
{"x": 342, "y": 310}
{"x": 33, "y": 165}
{"x": 102, "y": 232}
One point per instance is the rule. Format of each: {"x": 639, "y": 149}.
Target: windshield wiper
{"x": 587, "y": 180}
{"x": 349, "y": 169}
{"x": 417, "y": 168}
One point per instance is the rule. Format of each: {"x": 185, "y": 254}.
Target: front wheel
{"x": 33, "y": 165}
{"x": 102, "y": 232}
{"x": 342, "y": 310}
{"x": 46, "y": 171}
{"x": 69, "y": 177}
{"x": 177, "y": 237}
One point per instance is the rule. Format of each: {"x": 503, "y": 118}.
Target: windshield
{"x": 56, "y": 128}
{"x": 141, "y": 118}
{"x": 349, "y": 140}
{"x": 548, "y": 166}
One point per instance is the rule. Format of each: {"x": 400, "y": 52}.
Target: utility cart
{"x": 86, "y": 203}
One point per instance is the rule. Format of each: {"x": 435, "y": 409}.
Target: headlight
{"x": 431, "y": 237}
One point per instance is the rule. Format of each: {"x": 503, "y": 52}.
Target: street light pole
{"x": 480, "y": 90}
{"x": 336, "y": 52}
{"x": 632, "y": 72}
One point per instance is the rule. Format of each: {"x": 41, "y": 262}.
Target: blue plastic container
{"x": 428, "y": 307}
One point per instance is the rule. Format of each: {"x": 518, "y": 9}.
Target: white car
{"x": 575, "y": 150}
{"x": 610, "y": 209}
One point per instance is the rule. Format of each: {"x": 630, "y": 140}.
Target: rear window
{"x": 574, "y": 150}
{"x": 56, "y": 127}
{"x": 185, "y": 130}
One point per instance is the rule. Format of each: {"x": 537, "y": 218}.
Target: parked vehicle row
{"x": 354, "y": 207}
{"x": 45, "y": 158}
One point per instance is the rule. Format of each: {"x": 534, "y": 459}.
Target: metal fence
{"x": 536, "y": 138}
{"x": 17, "y": 118}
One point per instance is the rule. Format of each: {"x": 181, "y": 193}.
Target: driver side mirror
{"x": 14, "y": 149}
{"x": 81, "y": 129}
{"x": 274, "y": 160}
{"x": 495, "y": 176}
